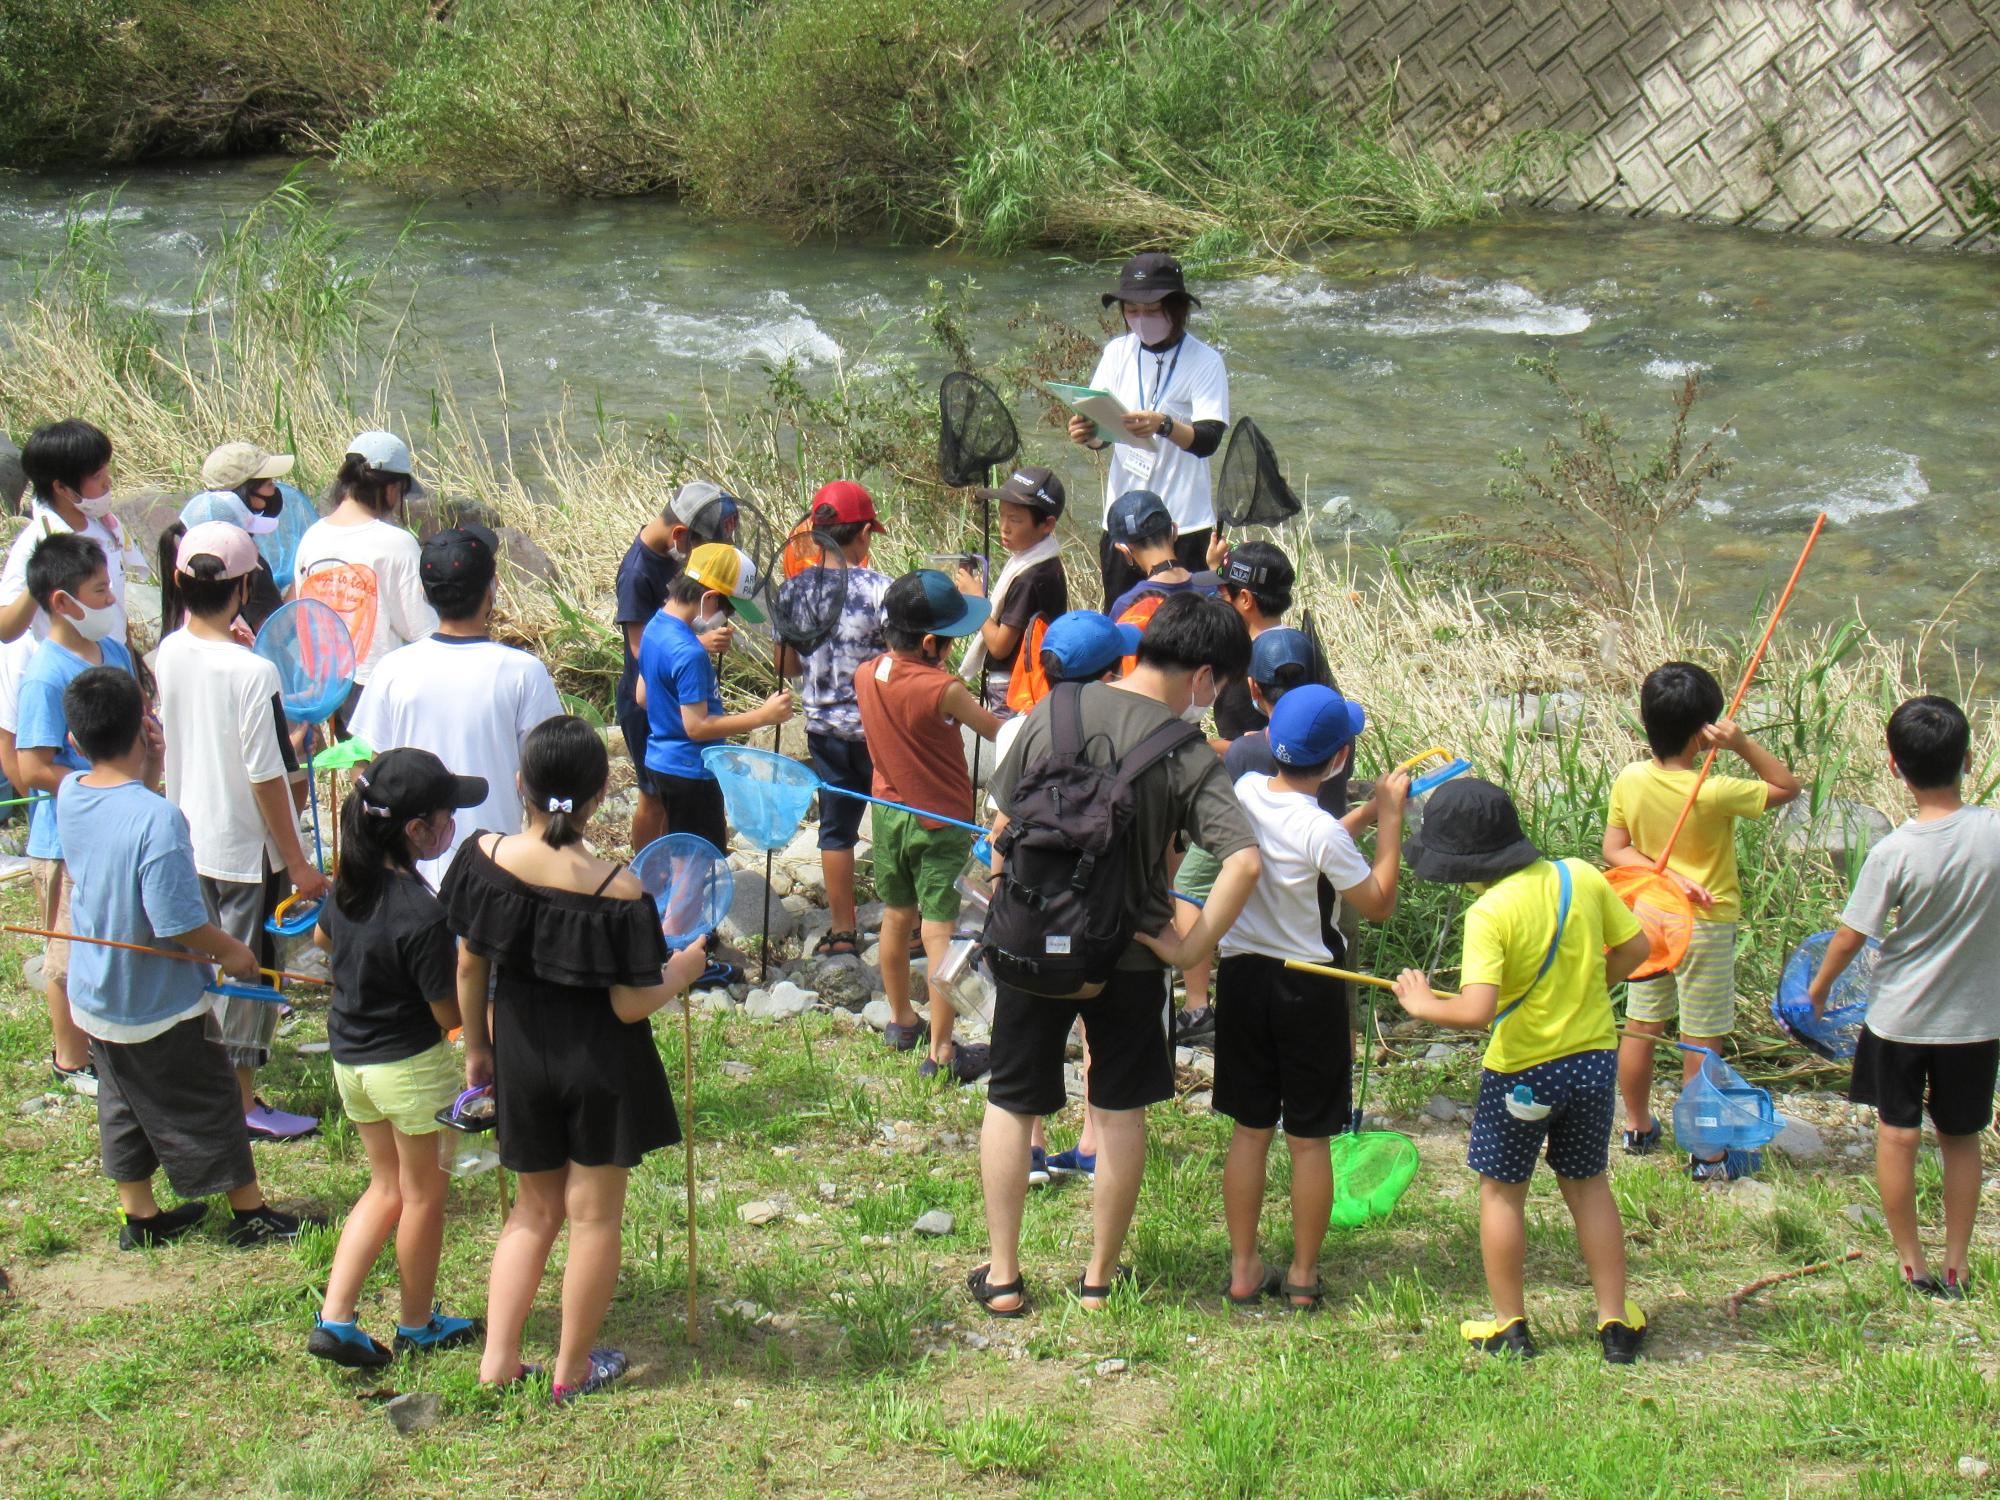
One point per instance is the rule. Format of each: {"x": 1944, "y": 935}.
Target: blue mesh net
{"x": 767, "y": 794}
{"x": 690, "y": 880}
{"x": 306, "y": 641}
{"x": 1834, "y": 1034}
{"x": 1720, "y": 1110}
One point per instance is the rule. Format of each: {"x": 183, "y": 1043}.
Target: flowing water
{"x": 1855, "y": 379}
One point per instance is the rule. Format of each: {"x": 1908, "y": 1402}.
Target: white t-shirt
{"x": 44, "y": 521}
{"x": 1189, "y": 384}
{"x": 1299, "y": 841}
{"x": 14, "y": 657}
{"x": 470, "y": 703}
{"x": 222, "y": 739}
{"x": 368, "y": 574}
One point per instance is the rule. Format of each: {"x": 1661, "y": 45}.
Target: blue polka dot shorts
{"x": 1581, "y": 1091}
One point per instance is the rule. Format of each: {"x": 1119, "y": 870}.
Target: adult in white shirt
{"x": 1175, "y": 392}
{"x": 468, "y": 700}
{"x": 362, "y": 561}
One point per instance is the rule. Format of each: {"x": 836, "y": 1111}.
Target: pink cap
{"x": 229, "y": 545}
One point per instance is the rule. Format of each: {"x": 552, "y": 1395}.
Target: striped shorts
{"x": 1702, "y": 989}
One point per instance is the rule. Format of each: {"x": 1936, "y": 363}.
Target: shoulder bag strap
{"x": 1549, "y": 958}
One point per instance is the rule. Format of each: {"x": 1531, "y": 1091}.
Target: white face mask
{"x": 97, "y": 507}
{"x": 1197, "y": 710}
{"x": 98, "y": 624}
{"x": 703, "y": 624}
{"x": 1152, "y": 327}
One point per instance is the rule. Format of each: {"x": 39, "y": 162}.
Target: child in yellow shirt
{"x": 1680, "y": 706}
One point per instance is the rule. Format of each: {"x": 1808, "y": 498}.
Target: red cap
{"x": 849, "y": 502}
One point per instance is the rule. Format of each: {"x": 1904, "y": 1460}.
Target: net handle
{"x": 922, "y": 812}
{"x": 1742, "y": 688}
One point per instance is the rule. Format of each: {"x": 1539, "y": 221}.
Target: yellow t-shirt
{"x": 1645, "y": 800}
{"x": 1507, "y": 935}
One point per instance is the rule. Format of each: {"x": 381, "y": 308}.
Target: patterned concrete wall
{"x": 1869, "y": 120}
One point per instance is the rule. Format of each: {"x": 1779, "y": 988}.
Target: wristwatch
{"x": 1166, "y": 426}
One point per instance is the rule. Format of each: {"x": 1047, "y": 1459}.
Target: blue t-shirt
{"x": 42, "y": 725}
{"x": 132, "y": 879}
{"x": 677, "y": 672}
{"x": 643, "y": 577}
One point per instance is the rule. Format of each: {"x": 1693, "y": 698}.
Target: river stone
{"x": 1836, "y": 829}
{"x": 414, "y": 1412}
{"x": 1748, "y": 1193}
{"x": 13, "y": 478}
{"x": 1862, "y": 1216}
{"x": 1442, "y": 1109}
{"x": 1799, "y": 1141}
{"x": 878, "y": 1014}
{"x": 746, "y": 912}
{"x": 760, "y": 1211}
{"x": 1972, "y": 1467}
{"x": 935, "y": 1223}
{"x": 779, "y": 1003}
{"x": 842, "y": 980}
{"x": 717, "y": 1003}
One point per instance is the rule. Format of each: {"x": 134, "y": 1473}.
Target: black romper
{"x": 571, "y": 1082}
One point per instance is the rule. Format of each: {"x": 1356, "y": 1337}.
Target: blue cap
{"x": 926, "y": 602}
{"x": 1279, "y": 647}
{"x": 1137, "y": 515}
{"x": 1310, "y": 724}
{"x": 1087, "y": 644}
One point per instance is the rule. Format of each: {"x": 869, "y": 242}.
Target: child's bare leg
{"x": 1244, "y": 1172}
{"x": 1600, "y": 1234}
{"x": 369, "y": 1224}
{"x": 1691, "y": 1061}
{"x": 67, "y": 1040}
{"x": 1086, "y": 1139}
{"x": 897, "y": 924}
{"x": 1961, "y": 1198}
{"x": 837, "y": 866}
{"x": 1196, "y": 976}
{"x": 1635, "y": 1074}
{"x": 518, "y": 1262}
{"x": 596, "y": 1206}
{"x": 1312, "y": 1204}
{"x": 1503, "y": 1245}
{"x": 937, "y": 939}
{"x": 136, "y": 1200}
{"x": 649, "y": 819}
{"x": 1896, "y": 1180}
{"x": 420, "y": 1234}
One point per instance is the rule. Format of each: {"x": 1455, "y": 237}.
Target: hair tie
{"x": 562, "y": 804}
{"x": 370, "y": 808}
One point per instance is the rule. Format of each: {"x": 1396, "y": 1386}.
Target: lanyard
{"x": 1562, "y": 916}
{"x": 1164, "y": 381}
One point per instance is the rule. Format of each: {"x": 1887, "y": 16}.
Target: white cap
{"x": 226, "y": 505}
{"x": 387, "y": 452}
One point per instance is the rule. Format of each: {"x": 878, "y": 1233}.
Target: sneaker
{"x": 1038, "y": 1167}
{"x": 1620, "y": 1338}
{"x": 1511, "y": 1337}
{"x": 1642, "y": 1142}
{"x": 267, "y": 1124}
{"x": 905, "y": 1038}
{"x": 266, "y": 1226}
{"x": 1725, "y": 1168}
{"x": 971, "y": 1061}
{"x": 79, "y": 1080}
{"x": 930, "y": 1067}
{"x": 344, "y": 1344}
{"x": 1957, "y": 1286}
{"x": 163, "y": 1228}
{"x": 1953, "y": 1288}
{"x": 1073, "y": 1163}
{"x": 1194, "y": 1023}
{"x": 442, "y": 1332}
{"x": 606, "y": 1365}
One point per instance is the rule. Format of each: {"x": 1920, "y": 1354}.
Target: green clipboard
{"x": 1103, "y": 408}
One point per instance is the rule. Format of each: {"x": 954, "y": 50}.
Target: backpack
{"x": 1058, "y": 923}
{"x": 1139, "y": 612}
{"x": 1028, "y": 684}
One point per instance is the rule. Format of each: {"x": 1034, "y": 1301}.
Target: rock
{"x": 872, "y": 955}
{"x": 762, "y": 1211}
{"x": 31, "y": 974}
{"x": 415, "y": 1412}
{"x": 877, "y": 1014}
{"x": 1198, "y": 1102}
{"x": 746, "y": 912}
{"x": 39, "y": 1103}
{"x": 1799, "y": 1141}
{"x": 779, "y": 1003}
{"x": 935, "y": 1223}
{"x": 1072, "y": 1080}
{"x": 1970, "y": 1467}
{"x": 1111, "y": 1367}
{"x": 13, "y": 478}
{"x": 1437, "y": 1107}
{"x": 1557, "y": 713}
{"x": 796, "y": 904}
{"x": 781, "y": 881}
{"x": 1749, "y": 1193}
{"x": 868, "y": 915}
{"x": 1854, "y": 1149}
{"x": 1439, "y": 1052}
{"x": 1840, "y": 826}
{"x": 1862, "y": 1216}
{"x": 731, "y": 1068}
{"x": 977, "y": 1341}
{"x": 1203, "y": 1066}
{"x": 1183, "y": 1057}
{"x": 828, "y": 1191}
{"x": 840, "y": 979}
{"x": 717, "y": 1003}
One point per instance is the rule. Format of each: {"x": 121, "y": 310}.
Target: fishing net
{"x": 1834, "y": 1034}
{"x": 691, "y": 881}
{"x": 1665, "y": 914}
{"x": 767, "y": 794}
{"x": 809, "y": 589}
{"x": 279, "y": 547}
{"x": 1372, "y": 1169}
{"x": 309, "y": 645}
{"x": 1720, "y": 1111}
{"x": 975, "y": 432}
{"x": 1251, "y": 491}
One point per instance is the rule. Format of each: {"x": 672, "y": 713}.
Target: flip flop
{"x": 1266, "y": 1287}
{"x": 979, "y": 1281}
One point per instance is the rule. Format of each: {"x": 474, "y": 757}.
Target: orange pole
{"x": 189, "y": 958}
{"x": 1742, "y": 688}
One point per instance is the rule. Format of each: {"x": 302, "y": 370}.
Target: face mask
{"x": 270, "y": 507}
{"x": 435, "y": 839}
{"x": 1152, "y": 327}
{"x": 703, "y": 624}
{"x": 97, "y": 507}
{"x": 97, "y": 624}
{"x": 1196, "y": 710}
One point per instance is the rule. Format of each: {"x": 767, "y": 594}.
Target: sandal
{"x": 1085, "y": 1292}
{"x": 1266, "y": 1287}
{"x": 838, "y": 944}
{"x": 1302, "y": 1299}
{"x": 979, "y": 1281}
{"x": 1642, "y": 1142}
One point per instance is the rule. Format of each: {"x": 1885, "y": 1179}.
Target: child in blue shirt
{"x": 166, "y": 1095}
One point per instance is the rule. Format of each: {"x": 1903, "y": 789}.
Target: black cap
{"x": 1148, "y": 278}
{"x": 1038, "y": 489}
{"x": 460, "y": 556}
{"x": 927, "y": 603}
{"x": 1137, "y": 516}
{"x": 1470, "y": 832}
{"x": 408, "y": 783}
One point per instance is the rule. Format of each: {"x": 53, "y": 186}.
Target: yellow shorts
{"x": 1702, "y": 989}
{"x": 408, "y": 1094}
{"x": 52, "y": 911}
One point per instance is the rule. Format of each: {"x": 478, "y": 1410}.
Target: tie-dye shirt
{"x": 828, "y": 684}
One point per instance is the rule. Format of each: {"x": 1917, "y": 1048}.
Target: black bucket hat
{"x": 1148, "y": 278}
{"x": 1470, "y": 833}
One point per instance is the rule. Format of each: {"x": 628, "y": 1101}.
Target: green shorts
{"x": 918, "y": 866}
{"x": 1196, "y": 876}
{"x": 408, "y": 1094}
{"x": 1702, "y": 989}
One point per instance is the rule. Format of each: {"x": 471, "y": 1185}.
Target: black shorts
{"x": 1953, "y": 1079}
{"x": 840, "y": 762}
{"x": 172, "y": 1102}
{"x": 693, "y": 805}
{"x": 1131, "y": 1061}
{"x": 635, "y": 726}
{"x": 1282, "y": 1047}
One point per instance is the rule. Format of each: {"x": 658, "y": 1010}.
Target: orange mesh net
{"x": 1663, "y": 910}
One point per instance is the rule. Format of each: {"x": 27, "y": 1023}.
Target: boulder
{"x": 843, "y": 980}
{"x": 1838, "y": 828}
{"x": 746, "y": 912}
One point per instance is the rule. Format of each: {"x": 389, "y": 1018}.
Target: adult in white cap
{"x": 1175, "y": 392}
{"x": 362, "y": 561}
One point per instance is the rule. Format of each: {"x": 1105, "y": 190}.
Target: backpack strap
{"x": 1066, "y": 721}
{"x": 1155, "y": 748}
{"x": 1549, "y": 958}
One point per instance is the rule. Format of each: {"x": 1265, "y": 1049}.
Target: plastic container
{"x": 1720, "y": 1111}
{"x": 471, "y": 1156}
{"x": 963, "y": 981}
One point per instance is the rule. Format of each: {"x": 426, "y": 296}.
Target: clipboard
{"x": 1103, "y": 408}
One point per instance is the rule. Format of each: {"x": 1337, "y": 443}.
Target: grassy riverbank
{"x": 945, "y": 119}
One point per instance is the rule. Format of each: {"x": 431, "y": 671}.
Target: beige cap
{"x": 234, "y": 465}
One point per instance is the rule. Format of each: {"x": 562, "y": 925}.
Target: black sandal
{"x": 838, "y": 945}
{"x": 1086, "y": 1292}
{"x": 979, "y": 1281}
{"x": 1268, "y": 1287}
{"x": 1313, "y": 1294}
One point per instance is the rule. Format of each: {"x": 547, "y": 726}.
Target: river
{"x": 1855, "y": 379}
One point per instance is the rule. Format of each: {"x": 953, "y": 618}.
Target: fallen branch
{"x": 1734, "y": 1305}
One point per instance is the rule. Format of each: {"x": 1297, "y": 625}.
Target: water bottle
{"x": 1522, "y": 1105}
